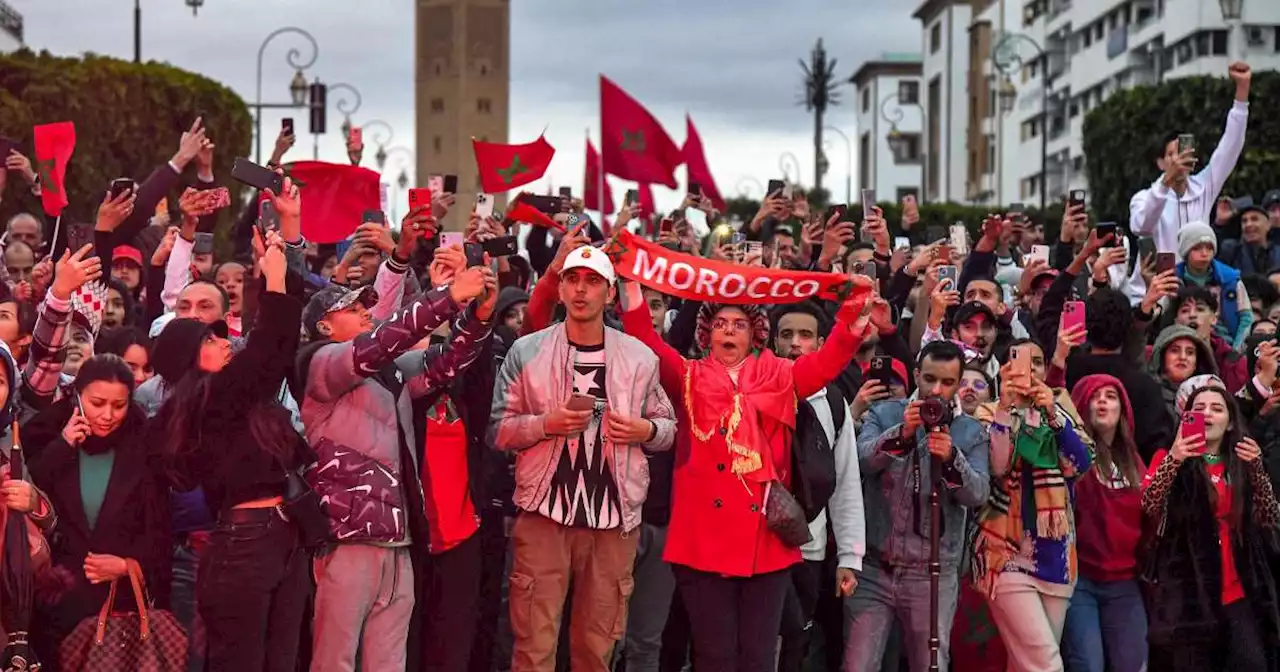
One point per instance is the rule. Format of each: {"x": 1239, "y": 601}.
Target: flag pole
{"x": 53, "y": 244}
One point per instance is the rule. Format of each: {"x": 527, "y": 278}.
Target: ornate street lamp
{"x": 1008, "y": 96}
{"x": 1232, "y": 10}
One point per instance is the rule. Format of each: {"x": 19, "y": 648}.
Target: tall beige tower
{"x": 462, "y": 80}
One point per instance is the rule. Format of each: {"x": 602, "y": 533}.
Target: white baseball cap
{"x": 591, "y": 259}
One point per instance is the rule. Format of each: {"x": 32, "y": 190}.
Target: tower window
{"x": 436, "y": 143}
{"x": 437, "y": 105}
{"x": 484, "y": 106}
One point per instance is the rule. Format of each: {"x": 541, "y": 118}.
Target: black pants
{"x": 797, "y": 614}
{"x": 1239, "y": 649}
{"x": 734, "y": 621}
{"x": 449, "y": 595}
{"x": 491, "y": 647}
{"x": 253, "y": 589}
{"x": 675, "y": 637}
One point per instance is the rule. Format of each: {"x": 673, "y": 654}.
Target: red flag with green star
{"x": 505, "y": 167}
{"x": 633, "y": 145}
{"x": 54, "y": 144}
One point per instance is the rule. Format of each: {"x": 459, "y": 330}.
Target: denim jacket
{"x": 898, "y": 515}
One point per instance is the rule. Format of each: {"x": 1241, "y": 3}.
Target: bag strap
{"x": 104, "y": 613}
{"x": 139, "y": 588}
{"x": 835, "y": 399}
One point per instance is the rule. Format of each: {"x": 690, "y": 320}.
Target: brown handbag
{"x": 146, "y": 640}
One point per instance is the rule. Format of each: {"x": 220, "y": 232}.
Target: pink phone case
{"x": 1072, "y": 314}
{"x": 1193, "y": 424}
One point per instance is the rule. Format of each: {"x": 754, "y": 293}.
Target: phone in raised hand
{"x": 484, "y": 206}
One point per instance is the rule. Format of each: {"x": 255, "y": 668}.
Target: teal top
{"x": 95, "y": 474}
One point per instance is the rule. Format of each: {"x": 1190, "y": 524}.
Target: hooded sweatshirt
{"x": 1108, "y": 508}
{"x": 1205, "y": 362}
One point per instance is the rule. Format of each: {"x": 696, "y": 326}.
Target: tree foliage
{"x": 1122, "y": 135}
{"x": 128, "y": 117}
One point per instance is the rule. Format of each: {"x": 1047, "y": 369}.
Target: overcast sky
{"x": 731, "y": 64}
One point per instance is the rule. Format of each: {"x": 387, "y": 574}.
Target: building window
{"x": 866, "y": 100}
{"x": 909, "y": 93}
{"x": 484, "y": 69}
{"x": 1099, "y": 31}
{"x": 991, "y": 154}
{"x": 910, "y": 148}
{"x": 436, "y": 144}
{"x": 437, "y": 105}
{"x": 935, "y": 38}
{"x": 1219, "y": 46}
{"x": 483, "y": 106}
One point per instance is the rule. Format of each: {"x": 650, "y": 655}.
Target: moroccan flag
{"x": 647, "y": 206}
{"x": 593, "y": 180}
{"x": 632, "y": 142}
{"x": 505, "y": 167}
{"x": 54, "y": 145}
{"x": 519, "y": 211}
{"x": 695, "y": 164}
{"x": 334, "y": 198}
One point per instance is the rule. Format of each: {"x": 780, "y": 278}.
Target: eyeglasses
{"x": 724, "y": 324}
{"x": 977, "y": 385}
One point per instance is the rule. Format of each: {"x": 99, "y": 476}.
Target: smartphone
{"x": 737, "y": 248}
{"x": 451, "y": 238}
{"x": 667, "y": 225}
{"x": 549, "y": 205}
{"x": 286, "y": 125}
{"x": 79, "y": 235}
{"x": 484, "y": 205}
{"x": 633, "y": 196}
{"x": 1019, "y": 366}
{"x": 943, "y": 252}
{"x": 960, "y": 238}
{"x": 839, "y": 209}
{"x": 753, "y": 248}
{"x": 120, "y": 185}
{"x": 504, "y": 246}
{"x": 1147, "y": 248}
{"x": 1186, "y": 141}
{"x": 203, "y": 243}
{"x": 475, "y": 254}
{"x": 1072, "y": 314}
{"x": 450, "y": 184}
{"x": 80, "y": 405}
{"x": 419, "y": 197}
{"x": 775, "y": 187}
{"x": 935, "y": 233}
{"x": 947, "y": 277}
{"x": 1076, "y": 198}
{"x": 581, "y": 402}
{"x": 1105, "y": 229}
{"x": 435, "y": 184}
{"x": 868, "y": 203}
{"x": 1165, "y": 261}
{"x": 865, "y": 268}
{"x": 268, "y": 218}
{"x": 1016, "y": 209}
{"x": 882, "y": 370}
{"x": 357, "y": 135}
{"x": 250, "y": 173}
{"x": 901, "y": 243}
{"x": 695, "y": 189}
{"x": 1192, "y": 424}
{"x": 566, "y": 192}
{"x": 7, "y": 146}
{"x": 221, "y": 198}
{"x": 375, "y": 216}
{"x": 1040, "y": 252}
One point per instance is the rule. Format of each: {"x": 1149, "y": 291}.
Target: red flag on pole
{"x": 505, "y": 167}
{"x": 593, "y": 182}
{"x": 695, "y": 164}
{"x": 633, "y": 144}
{"x": 334, "y": 198}
{"x": 54, "y": 144}
{"x": 647, "y": 207}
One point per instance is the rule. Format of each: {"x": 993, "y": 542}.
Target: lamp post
{"x": 297, "y": 88}
{"x": 1233, "y": 14}
{"x": 195, "y": 6}
{"x": 744, "y": 185}
{"x": 371, "y": 129}
{"x": 346, "y": 107}
{"x": 786, "y": 161}
{"x": 1007, "y": 60}
{"x": 848, "y": 163}
{"x": 897, "y": 142}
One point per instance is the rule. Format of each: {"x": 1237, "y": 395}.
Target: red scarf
{"x": 765, "y": 389}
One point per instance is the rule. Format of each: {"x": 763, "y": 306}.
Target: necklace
{"x": 1212, "y": 458}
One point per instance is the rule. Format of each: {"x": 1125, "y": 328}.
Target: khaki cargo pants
{"x": 547, "y": 556}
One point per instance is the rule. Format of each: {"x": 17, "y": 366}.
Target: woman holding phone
{"x": 1212, "y": 600}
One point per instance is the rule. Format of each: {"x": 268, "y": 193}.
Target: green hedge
{"x": 129, "y": 118}
{"x": 1122, "y": 134}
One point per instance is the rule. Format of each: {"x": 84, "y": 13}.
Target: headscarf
{"x": 1191, "y": 385}
{"x": 707, "y": 313}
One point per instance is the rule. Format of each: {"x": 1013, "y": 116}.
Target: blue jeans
{"x": 888, "y": 594}
{"x": 1106, "y": 628}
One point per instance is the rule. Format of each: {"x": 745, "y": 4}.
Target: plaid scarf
{"x": 1029, "y": 502}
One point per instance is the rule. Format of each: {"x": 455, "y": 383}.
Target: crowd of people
{"x": 395, "y": 456}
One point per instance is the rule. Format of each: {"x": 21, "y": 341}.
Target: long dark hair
{"x": 1233, "y": 467}
{"x": 1122, "y": 453}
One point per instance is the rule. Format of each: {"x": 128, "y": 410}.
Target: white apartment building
{"x": 888, "y": 103}
{"x": 10, "y": 28}
{"x": 982, "y": 138}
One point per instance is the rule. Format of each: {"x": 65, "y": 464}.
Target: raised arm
{"x": 43, "y": 364}
{"x": 437, "y": 367}
{"x": 1227, "y": 153}
{"x": 637, "y": 322}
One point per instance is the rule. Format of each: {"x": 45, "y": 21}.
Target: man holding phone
{"x": 579, "y": 404}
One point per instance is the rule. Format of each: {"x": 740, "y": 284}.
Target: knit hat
{"x": 1191, "y": 385}
{"x": 1087, "y": 386}
{"x": 707, "y": 313}
{"x": 178, "y": 347}
{"x": 1194, "y": 234}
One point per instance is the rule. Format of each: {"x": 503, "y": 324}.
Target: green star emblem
{"x": 45, "y": 169}
{"x": 614, "y": 249}
{"x": 516, "y": 168}
{"x": 633, "y": 141}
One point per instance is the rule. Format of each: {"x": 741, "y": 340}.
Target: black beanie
{"x": 178, "y": 347}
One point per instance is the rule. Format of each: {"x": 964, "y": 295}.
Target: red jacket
{"x": 717, "y": 521}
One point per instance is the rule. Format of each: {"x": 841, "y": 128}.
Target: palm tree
{"x": 820, "y": 90}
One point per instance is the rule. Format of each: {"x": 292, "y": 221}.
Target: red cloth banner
{"x": 698, "y": 279}
{"x": 505, "y": 167}
{"x": 334, "y": 198}
{"x": 54, "y": 144}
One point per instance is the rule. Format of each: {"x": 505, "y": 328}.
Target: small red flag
{"x": 695, "y": 164}
{"x": 591, "y": 190}
{"x": 519, "y": 211}
{"x": 505, "y": 167}
{"x": 633, "y": 144}
{"x": 334, "y": 198}
{"x": 54, "y": 144}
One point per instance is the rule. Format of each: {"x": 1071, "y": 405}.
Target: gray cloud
{"x": 731, "y": 64}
